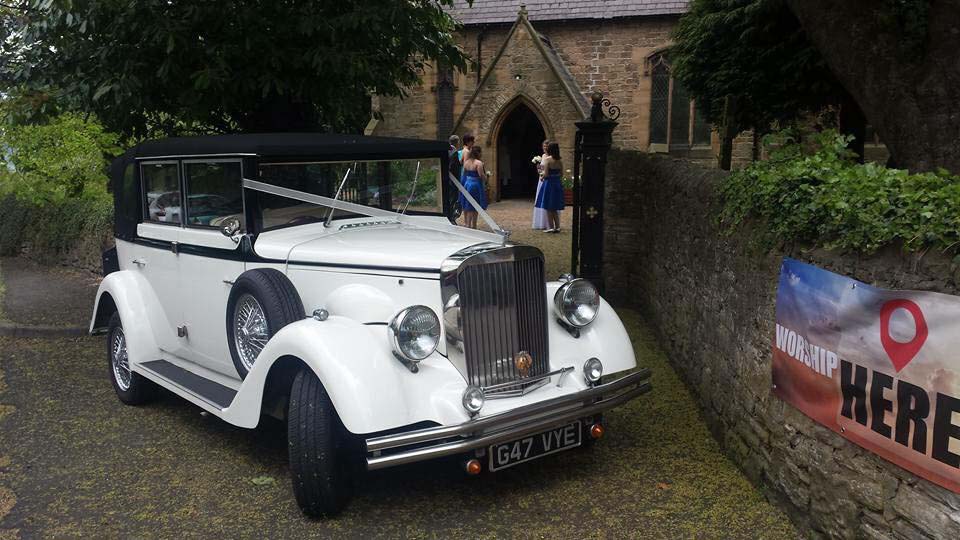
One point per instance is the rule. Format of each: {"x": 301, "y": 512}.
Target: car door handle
{"x": 139, "y": 262}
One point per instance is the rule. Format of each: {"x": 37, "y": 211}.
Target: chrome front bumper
{"x": 402, "y": 448}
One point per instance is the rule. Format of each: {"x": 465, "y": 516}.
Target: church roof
{"x": 566, "y": 78}
{"x": 505, "y": 11}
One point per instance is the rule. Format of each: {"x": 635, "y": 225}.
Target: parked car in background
{"x": 380, "y": 331}
{"x": 164, "y": 207}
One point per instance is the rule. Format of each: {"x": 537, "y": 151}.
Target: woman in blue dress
{"x": 474, "y": 180}
{"x": 550, "y": 196}
{"x": 464, "y": 153}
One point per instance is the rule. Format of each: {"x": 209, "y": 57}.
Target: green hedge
{"x": 54, "y": 204}
{"x": 815, "y": 193}
{"x": 73, "y": 230}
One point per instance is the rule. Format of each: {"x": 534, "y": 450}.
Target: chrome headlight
{"x": 577, "y": 302}
{"x": 472, "y": 399}
{"x": 415, "y": 333}
{"x": 592, "y": 371}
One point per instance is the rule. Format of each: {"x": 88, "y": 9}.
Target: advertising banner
{"x": 880, "y": 367}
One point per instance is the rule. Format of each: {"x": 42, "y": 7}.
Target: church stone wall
{"x": 415, "y": 115}
{"x": 521, "y": 76}
{"x": 610, "y": 56}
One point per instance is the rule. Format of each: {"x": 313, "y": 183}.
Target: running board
{"x": 213, "y": 393}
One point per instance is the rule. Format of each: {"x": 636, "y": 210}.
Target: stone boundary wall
{"x": 710, "y": 299}
{"x": 69, "y": 234}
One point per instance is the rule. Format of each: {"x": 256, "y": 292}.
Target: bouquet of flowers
{"x": 536, "y": 160}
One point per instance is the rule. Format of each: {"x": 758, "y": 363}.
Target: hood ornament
{"x": 523, "y": 362}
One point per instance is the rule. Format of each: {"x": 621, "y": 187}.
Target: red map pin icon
{"x": 902, "y": 353}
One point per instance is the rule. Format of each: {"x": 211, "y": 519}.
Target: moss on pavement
{"x": 76, "y": 462}
{"x": 35, "y": 294}
{"x": 8, "y": 499}
{"x": 82, "y": 464}
{"x": 2, "y": 290}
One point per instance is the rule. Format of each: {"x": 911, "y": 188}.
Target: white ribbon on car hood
{"x": 377, "y": 212}
{"x": 476, "y": 206}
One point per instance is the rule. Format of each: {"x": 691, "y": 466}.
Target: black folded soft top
{"x": 254, "y": 148}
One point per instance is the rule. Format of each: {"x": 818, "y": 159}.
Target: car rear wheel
{"x": 132, "y": 388}
{"x": 317, "y": 444}
{"x": 261, "y": 302}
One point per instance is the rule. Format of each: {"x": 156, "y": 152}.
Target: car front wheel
{"x": 319, "y": 455}
{"x": 131, "y": 388}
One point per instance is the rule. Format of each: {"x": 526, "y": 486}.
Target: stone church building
{"x": 535, "y": 64}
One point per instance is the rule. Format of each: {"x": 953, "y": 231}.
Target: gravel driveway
{"x": 76, "y": 462}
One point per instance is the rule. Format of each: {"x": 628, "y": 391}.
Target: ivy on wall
{"x": 812, "y": 191}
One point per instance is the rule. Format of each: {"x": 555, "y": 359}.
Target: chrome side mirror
{"x": 230, "y": 229}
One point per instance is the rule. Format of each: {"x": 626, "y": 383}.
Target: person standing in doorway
{"x": 464, "y": 154}
{"x": 474, "y": 180}
{"x": 550, "y": 197}
{"x": 539, "y": 214}
{"x": 453, "y": 155}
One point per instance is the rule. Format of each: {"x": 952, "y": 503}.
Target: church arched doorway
{"x": 519, "y": 140}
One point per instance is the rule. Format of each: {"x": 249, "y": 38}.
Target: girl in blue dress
{"x": 464, "y": 153}
{"x": 550, "y": 196}
{"x": 474, "y": 180}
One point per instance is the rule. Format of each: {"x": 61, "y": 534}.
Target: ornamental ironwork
{"x": 600, "y": 103}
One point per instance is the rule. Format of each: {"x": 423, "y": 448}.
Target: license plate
{"x": 555, "y": 440}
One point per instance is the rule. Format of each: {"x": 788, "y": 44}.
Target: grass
{"x": 82, "y": 464}
{"x": 85, "y": 465}
{"x": 516, "y": 216}
{"x": 8, "y": 499}
{"x": 3, "y": 289}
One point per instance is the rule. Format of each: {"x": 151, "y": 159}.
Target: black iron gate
{"x": 593, "y": 141}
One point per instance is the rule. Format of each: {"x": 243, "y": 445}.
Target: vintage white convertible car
{"x": 319, "y": 279}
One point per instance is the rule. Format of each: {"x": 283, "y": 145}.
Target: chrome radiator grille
{"x": 503, "y": 311}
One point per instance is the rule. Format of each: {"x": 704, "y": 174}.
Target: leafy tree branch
{"x": 174, "y": 66}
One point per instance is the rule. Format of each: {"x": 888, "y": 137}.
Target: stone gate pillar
{"x": 594, "y": 138}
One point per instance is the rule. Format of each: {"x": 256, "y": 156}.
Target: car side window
{"x": 214, "y": 192}
{"x": 161, "y": 188}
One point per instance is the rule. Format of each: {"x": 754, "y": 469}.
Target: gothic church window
{"x": 675, "y": 122}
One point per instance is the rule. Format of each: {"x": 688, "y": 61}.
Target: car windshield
{"x": 410, "y": 185}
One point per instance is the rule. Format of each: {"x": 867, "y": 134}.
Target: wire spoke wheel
{"x": 119, "y": 359}
{"x": 250, "y": 329}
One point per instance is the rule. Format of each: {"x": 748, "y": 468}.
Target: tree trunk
{"x": 728, "y": 132}
{"x": 853, "y": 122}
{"x": 907, "y": 86}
